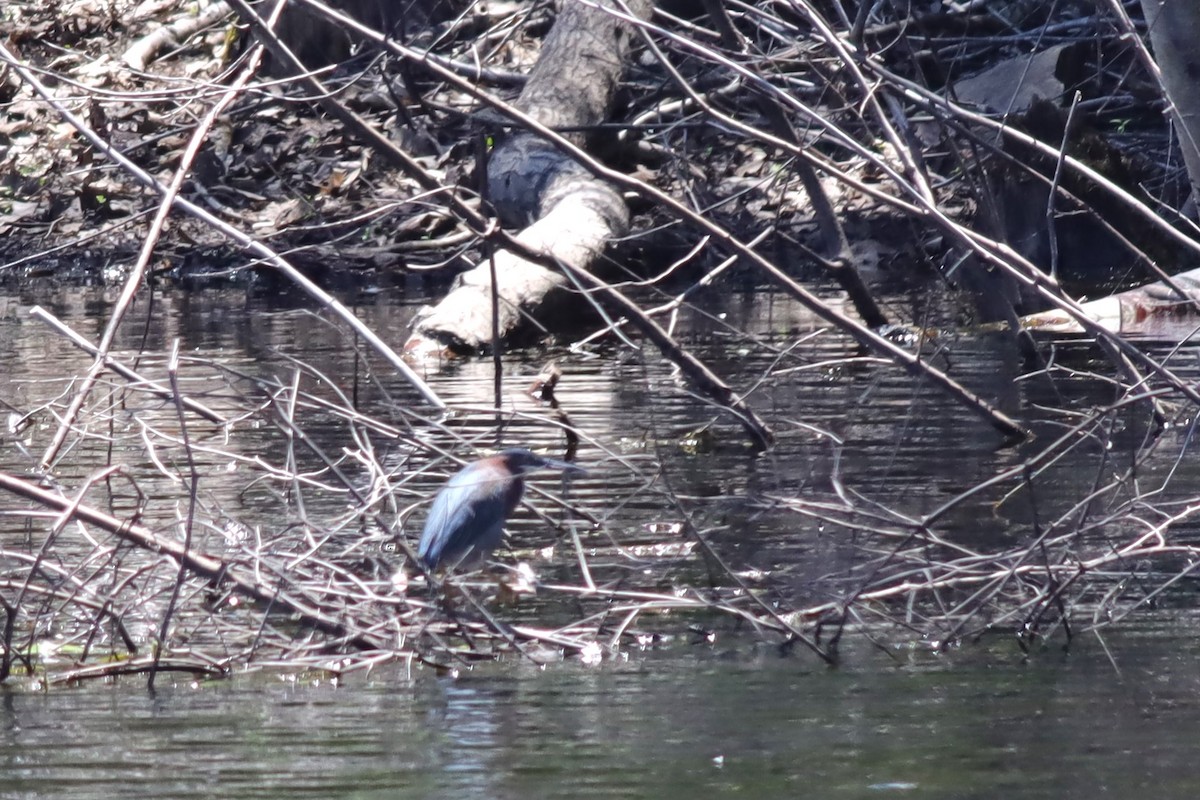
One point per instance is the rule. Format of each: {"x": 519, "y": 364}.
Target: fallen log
{"x": 571, "y": 214}
{"x": 1160, "y": 310}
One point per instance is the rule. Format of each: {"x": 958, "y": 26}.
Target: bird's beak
{"x": 565, "y": 466}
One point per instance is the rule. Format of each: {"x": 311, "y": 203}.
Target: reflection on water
{"x": 682, "y": 725}
{"x": 684, "y": 722}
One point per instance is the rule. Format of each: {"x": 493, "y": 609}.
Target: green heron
{"x": 466, "y": 522}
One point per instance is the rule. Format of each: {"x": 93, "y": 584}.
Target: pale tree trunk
{"x": 570, "y": 214}
{"x": 1174, "y": 27}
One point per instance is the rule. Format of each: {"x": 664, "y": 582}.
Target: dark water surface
{"x": 1112, "y": 717}
{"x": 683, "y": 725}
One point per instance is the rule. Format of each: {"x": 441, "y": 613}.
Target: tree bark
{"x": 571, "y": 214}
{"x": 1174, "y": 30}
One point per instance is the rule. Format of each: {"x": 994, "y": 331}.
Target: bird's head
{"x": 521, "y": 461}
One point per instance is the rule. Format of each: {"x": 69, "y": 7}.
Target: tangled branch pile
{"x": 855, "y": 144}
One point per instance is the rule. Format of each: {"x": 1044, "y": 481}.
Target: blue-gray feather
{"x": 466, "y": 522}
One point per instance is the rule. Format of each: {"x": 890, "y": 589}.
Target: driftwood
{"x": 573, "y": 214}
{"x": 147, "y": 48}
{"x": 523, "y": 262}
{"x": 1173, "y": 28}
{"x": 1160, "y": 309}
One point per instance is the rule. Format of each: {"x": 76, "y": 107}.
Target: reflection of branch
{"x": 189, "y": 523}
{"x": 9, "y": 653}
{"x": 703, "y": 378}
{"x": 138, "y": 666}
{"x": 133, "y": 281}
{"x": 1019, "y": 584}
{"x": 121, "y": 369}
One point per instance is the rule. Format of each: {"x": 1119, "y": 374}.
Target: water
{"x": 711, "y": 709}
{"x": 685, "y": 724}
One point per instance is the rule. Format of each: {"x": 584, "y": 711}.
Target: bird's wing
{"x": 471, "y": 504}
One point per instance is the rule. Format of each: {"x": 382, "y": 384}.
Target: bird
{"x": 466, "y": 522}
